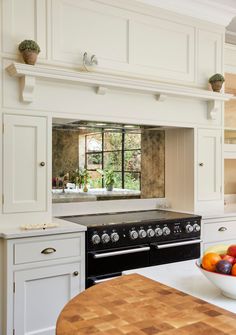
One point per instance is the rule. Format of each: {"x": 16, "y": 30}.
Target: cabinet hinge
{"x": 14, "y": 287}
{"x": 221, "y": 189}
{"x": 3, "y": 128}
{"x": 2, "y": 199}
{"x": 13, "y": 331}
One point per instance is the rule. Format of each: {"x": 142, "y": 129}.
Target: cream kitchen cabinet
{"x": 25, "y": 182}
{"x": 209, "y": 164}
{"x": 218, "y": 231}
{"x": 43, "y": 274}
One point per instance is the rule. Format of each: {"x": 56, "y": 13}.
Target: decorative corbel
{"x": 101, "y": 90}
{"x": 27, "y": 85}
{"x": 161, "y": 97}
{"x": 212, "y": 109}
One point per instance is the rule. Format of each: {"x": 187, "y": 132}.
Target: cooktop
{"x": 127, "y": 217}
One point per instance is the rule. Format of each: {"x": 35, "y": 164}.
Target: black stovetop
{"x": 127, "y": 217}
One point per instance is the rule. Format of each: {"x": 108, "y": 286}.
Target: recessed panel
{"x": 24, "y": 19}
{"x": 163, "y": 47}
{"x": 77, "y": 29}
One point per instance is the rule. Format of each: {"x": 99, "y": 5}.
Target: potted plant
{"x": 109, "y": 178}
{"x": 83, "y": 178}
{"x": 216, "y": 82}
{"x": 29, "y": 50}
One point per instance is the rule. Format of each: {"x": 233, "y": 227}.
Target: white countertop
{"x": 186, "y": 277}
{"x": 63, "y": 227}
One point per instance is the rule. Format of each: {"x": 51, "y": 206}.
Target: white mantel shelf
{"x": 103, "y": 83}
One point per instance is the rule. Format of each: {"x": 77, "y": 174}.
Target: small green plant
{"x": 29, "y": 45}
{"x": 216, "y": 77}
{"x": 109, "y": 177}
{"x": 81, "y": 176}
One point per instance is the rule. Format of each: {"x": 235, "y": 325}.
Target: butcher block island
{"x": 136, "y": 305}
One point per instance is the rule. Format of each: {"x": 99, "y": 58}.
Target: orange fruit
{"x": 233, "y": 271}
{"x": 209, "y": 261}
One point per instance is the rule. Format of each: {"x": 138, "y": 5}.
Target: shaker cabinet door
{"x": 209, "y": 164}
{"x": 40, "y": 295}
{"x": 25, "y": 166}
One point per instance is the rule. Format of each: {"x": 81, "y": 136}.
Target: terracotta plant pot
{"x": 217, "y": 85}
{"x": 29, "y": 57}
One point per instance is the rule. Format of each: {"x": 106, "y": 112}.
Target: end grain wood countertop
{"x": 135, "y": 305}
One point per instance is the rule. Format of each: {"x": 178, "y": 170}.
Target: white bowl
{"x": 226, "y": 283}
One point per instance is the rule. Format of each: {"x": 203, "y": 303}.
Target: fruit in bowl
{"x": 218, "y": 264}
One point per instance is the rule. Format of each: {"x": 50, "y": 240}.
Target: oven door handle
{"x": 121, "y": 252}
{"x": 97, "y": 281}
{"x": 178, "y": 244}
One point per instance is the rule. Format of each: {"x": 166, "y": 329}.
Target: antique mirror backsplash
{"x": 94, "y": 161}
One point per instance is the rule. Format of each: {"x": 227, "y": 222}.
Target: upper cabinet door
{"x": 25, "y": 166}
{"x": 209, "y": 169}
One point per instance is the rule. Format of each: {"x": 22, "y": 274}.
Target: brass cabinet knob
{"x": 75, "y": 273}
{"x": 201, "y": 164}
{"x": 42, "y": 164}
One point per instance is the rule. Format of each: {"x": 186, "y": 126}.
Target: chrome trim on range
{"x": 97, "y": 281}
{"x": 178, "y": 244}
{"x": 121, "y": 252}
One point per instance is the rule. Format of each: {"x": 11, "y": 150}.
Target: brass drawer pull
{"x": 48, "y": 251}
{"x": 42, "y": 164}
{"x": 222, "y": 229}
{"x": 76, "y": 273}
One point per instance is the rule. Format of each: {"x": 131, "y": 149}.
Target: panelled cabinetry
{"x": 123, "y": 36}
{"x": 218, "y": 231}
{"x": 209, "y": 170}
{"x": 42, "y": 275}
{"x": 25, "y": 183}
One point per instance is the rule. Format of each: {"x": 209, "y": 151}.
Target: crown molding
{"x": 207, "y": 10}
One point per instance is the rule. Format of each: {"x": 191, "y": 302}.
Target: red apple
{"x": 232, "y": 250}
{"x": 229, "y": 258}
{"x": 222, "y": 256}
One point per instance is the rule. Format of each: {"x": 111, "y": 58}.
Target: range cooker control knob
{"x": 158, "y": 231}
{"x": 189, "y": 228}
{"x": 115, "y": 237}
{"x": 96, "y": 239}
{"x": 133, "y": 234}
{"x": 196, "y": 227}
{"x": 166, "y": 231}
{"x": 142, "y": 233}
{"x": 105, "y": 238}
{"x": 150, "y": 232}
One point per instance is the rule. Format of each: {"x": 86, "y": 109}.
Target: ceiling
{"x": 222, "y": 12}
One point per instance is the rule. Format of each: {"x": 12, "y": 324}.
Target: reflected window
{"x": 119, "y": 150}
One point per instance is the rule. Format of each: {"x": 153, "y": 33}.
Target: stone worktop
{"x": 136, "y": 305}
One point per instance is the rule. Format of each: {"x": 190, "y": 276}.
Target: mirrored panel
{"x": 95, "y": 161}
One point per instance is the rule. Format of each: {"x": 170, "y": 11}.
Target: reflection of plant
{"x": 109, "y": 176}
{"x": 81, "y": 176}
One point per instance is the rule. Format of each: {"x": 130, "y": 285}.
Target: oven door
{"x": 163, "y": 253}
{"x": 102, "y": 263}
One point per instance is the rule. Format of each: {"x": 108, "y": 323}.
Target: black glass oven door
{"x": 174, "y": 252}
{"x": 117, "y": 260}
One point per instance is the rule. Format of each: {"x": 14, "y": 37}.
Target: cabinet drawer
{"x": 36, "y": 251}
{"x": 219, "y": 231}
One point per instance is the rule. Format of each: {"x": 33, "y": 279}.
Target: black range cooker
{"x": 116, "y": 242}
